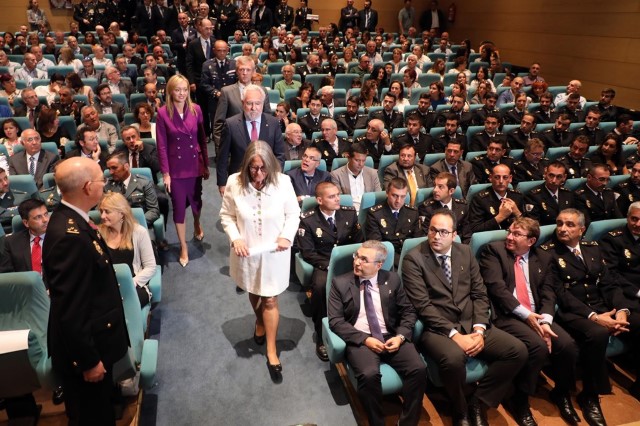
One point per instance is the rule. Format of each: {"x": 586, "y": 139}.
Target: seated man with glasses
{"x": 532, "y": 164}
{"x": 594, "y": 199}
{"x": 377, "y": 329}
{"x": 306, "y": 177}
{"x": 442, "y": 279}
{"x": 34, "y": 160}
{"x": 87, "y": 145}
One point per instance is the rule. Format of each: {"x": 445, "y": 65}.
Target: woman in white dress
{"x": 260, "y": 215}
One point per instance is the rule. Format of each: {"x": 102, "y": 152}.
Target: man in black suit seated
{"x": 321, "y": 229}
{"x": 377, "y": 141}
{"x": 545, "y": 113}
{"x": 306, "y": 177}
{"x": 591, "y": 127}
{"x": 522, "y": 283}
{"x": 575, "y": 161}
{"x": 23, "y": 249}
{"x": 330, "y": 144}
{"x": 442, "y": 279}
{"x": 351, "y": 119}
{"x": 559, "y": 135}
{"x": 572, "y": 108}
{"x": 393, "y": 220}
{"x": 139, "y": 154}
{"x": 489, "y": 107}
{"x": 311, "y": 67}
{"x": 451, "y": 127}
{"x": 67, "y": 106}
{"x": 518, "y": 137}
{"x": 532, "y": 164}
{"x": 496, "y": 154}
{"x": 312, "y": 120}
{"x": 295, "y": 144}
{"x": 592, "y": 308}
{"x": 544, "y": 202}
{"x": 422, "y": 142}
{"x": 8, "y": 208}
{"x": 424, "y": 111}
{"x": 137, "y": 189}
{"x": 457, "y": 108}
{"x": 444, "y": 185}
{"x": 480, "y": 141}
{"x": 594, "y": 199}
{"x": 497, "y": 206}
{"x": 30, "y": 107}
{"x": 87, "y": 329}
{"x": 87, "y": 145}
{"x": 377, "y": 329}
{"x": 33, "y": 160}
{"x": 391, "y": 118}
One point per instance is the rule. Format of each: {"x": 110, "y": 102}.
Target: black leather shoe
{"x": 275, "y": 371}
{"x": 634, "y": 390}
{"x": 321, "y": 351}
{"x": 259, "y": 339}
{"x": 591, "y": 410}
{"x": 564, "y": 404}
{"x": 58, "y": 396}
{"x": 477, "y": 414}
{"x": 520, "y": 412}
{"x": 461, "y": 421}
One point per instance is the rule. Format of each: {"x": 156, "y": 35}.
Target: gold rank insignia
{"x": 71, "y": 227}
{"x": 589, "y": 203}
{"x": 544, "y": 206}
{"x": 318, "y": 232}
{"x": 562, "y": 263}
{"x": 326, "y": 153}
{"x": 301, "y": 232}
{"x": 492, "y": 210}
{"x": 627, "y": 253}
{"x": 631, "y": 197}
{"x": 487, "y": 171}
{"x": 383, "y": 222}
{"x": 98, "y": 248}
{"x": 571, "y": 171}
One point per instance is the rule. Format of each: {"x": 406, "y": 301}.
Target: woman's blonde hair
{"x": 115, "y": 202}
{"x": 171, "y": 85}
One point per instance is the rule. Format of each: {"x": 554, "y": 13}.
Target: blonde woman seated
{"x": 128, "y": 242}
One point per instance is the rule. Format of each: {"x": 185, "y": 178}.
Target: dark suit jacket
{"x": 17, "y": 253}
{"x": 117, "y": 107}
{"x": 396, "y": 119}
{"x": 327, "y": 152}
{"x": 21, "y": 111}
{"x": 145, "y": 22}
{"x": 345, "y": 122}
{"x": 300, "y": 183}
{"x": 179, "y": 50}
{"x": 86, "y": 320}
{"x": 148, "y": 157}
{"x": 195, "y": 58}
{"x": 308, "y": 126}
{"x": 466, "y": 177}
{"x": 343, "y": 307}
{"x": 426, "y": 20}
{"x": 497, "y": 266}
{"x": 46, "y": 160}
{"x": 235, "y": 139}
{"x": 422, "y": 173}
{"x": 373, "y": 20}
{"x": 441, "y": 307}
{"x": 484, "y": 208}
{"x": 139, "y": 193}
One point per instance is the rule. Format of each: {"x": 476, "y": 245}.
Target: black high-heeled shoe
{"x": 275, "y": 371}
{"x": 259, "y": 339}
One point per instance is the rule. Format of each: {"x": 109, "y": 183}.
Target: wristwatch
{"x": 401, "y": 337}
{"x": 481, "y": 332}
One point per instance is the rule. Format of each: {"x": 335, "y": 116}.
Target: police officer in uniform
{"x": 594, "y": 199}
{"x": 217, "y": 73}
{"x": 444, "y": 185}
{"x": 559, "y": 135}
{"x": 480, "y": 141}
{"x": 284, "y": 15}
{"x": 592, "y": 307}
{"x": 629, "y": 191}
{"x": 351, "y": 119}
{"x": 300, "y": 19}
{"x": 532, "y": 165}
{"x": 84, "y": 14}
{"x": 576, "y": 163}
{"x": 393, "y": 221}
{"x": 496, "y": 154}
{"x": 544, "y": 202}
{"x": 321, "y": 229}
{"x": 495, "y": 207}
{"x": 8, "y": 204}
{"x": 423, "y": 142}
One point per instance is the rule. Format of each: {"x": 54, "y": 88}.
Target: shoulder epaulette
{"x": 484, "y": 193}
{"x": 514, "y": 190}
{"x": 429, "y": 202}
{"x": 478, "y": 158}
{"x": 562, "y": 188}
{"x": 459, "y": 201}
{"x": 536, "y": 191}
{"x": 347, "y": 208}
{"x": 376, "y": 208}
{"x": 589, "y": 243}
{"x": 547, "y": 246}
{"x": 580, "y": 191}
{"x": 410, "y": 207}
{"x": 72, "y": 227}
{"x": 517, "y": 163}
{"x": 401, "y": 135}
{"x": 308, "y": 214}
{"x": 623, "y": 185}
{"x": 616, "y": 233}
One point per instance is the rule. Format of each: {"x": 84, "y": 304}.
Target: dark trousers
{"x": 21, "y": 406}
{"x": 562, "y": 359}
{"x": 89, "y": 403}
{"x": 504, "y": 354}
{"x": 407, "y": 362}
{"x": 318, "y": 300}
{"x": 203, "y": 100}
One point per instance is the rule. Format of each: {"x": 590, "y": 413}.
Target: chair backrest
{"x": 132, "y": 312}
{"x": 480, "y": 239}
{"x": 368, "y": 200}
{"x": 341, "y": 260}
{"x": 341, "y": 161}
{"x": 25, "y": 184}
{"x": 526, "y": 186}
{"x": 111, "y": 119}
{"x": 617, "y": 179}
{"x": 546, "y": 232}
{"x": 430, "y": 159}
{"x": 598, "y": 228}
{"x": 294, "y": 164}
{"x": 48, "y": 181}
{"x": 554, "y": 153}
{"x": 311, "y": 202}
{"x": 475, "y": 188}
{"x": 575, "y": 183}
{"x": 385, "y": 160}
{"x": 408, "y": 245}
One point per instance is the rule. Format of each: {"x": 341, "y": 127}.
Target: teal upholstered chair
{"x": 294, "y": 164}
{"x": 385, "y": 160}
{"x": 480, "y": 239}
{"x": 341, "y": 161}
{"x": 475, "y": 188}
{"x": 597, "y": 229}
{"x": 23, "y": 187}
{"x": 575, "y": 183}
{"x": 526, "y": 186}
{"x": 546, "y": 233}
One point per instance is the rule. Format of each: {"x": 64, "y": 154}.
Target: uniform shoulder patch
{"x": 536, "y": 191}
{"x": 72, "y": 227}
{"x": 308, "y": 214}
{"x": 589, "y": 243}
{"x": 515, "y": 190}
{"x": 615, "y": 233}
{"x": 478, "y": 158}
{"x": 459, "y": 201}
{"x": 347, "y": 208}
{"x": 623, "y": 185}
{"x": 580, "y": 191}
{"x": 376, "y": 208}
{"x": 410, "y": 207}
{"x": 484, "y": 193}
{"x": 517, "y": 163}
{"x": 547, "y": 246}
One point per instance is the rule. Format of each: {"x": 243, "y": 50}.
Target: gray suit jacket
{"x": 230, "y": 104}
{"x": 118, "y": 110}
{"x": 139, "y": 193}
{"x": 421, "y": 172}
{"x": 46, "y": 160}
{"x": 340, "y": 177}
{"x": 466, "y": 177}
{"x": 440, "y": 306}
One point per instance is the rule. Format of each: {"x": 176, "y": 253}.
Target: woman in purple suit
{"x": 184, "y": 161}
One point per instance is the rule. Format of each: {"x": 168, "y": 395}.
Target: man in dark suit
{"x": 368, "y": 18}
{"x": 367, "y": 343}
{"x": 532, "y": 164}
{"x": 329, "y": 101}
{"x": 262, "y": 17}
{"x": 23, "y": 249}
{"x": 391, "y": 118}
{"x": 33, "y": 160}
{"x": 180, "y": 38}
{"x": 114, "y": 80}
{"x": 451, "y": 133}
{"x": 137, "y": 189}
{"x": 199, "y": 50}
{"x": 489, "y": 107}
{"x": 311, "y": 67}
{"x": 306, "y": 177}
{"x": 300, "y": 19}
{"x": 348, "y": 17}
{"x": 8, "y": 207}
{"x": 284, "y": 15}
{"x": 241, "y": 129}
{"x": 522, "y": 288}
{"x": 416, "y": 175}
{"x": 457, "y": 108}
{"x": 572, "y": 108}
{"x": 480, "y": 141}
{"x": 433, "y": 18}
{"x": 312, "y": 121}
{"x": 377, "y": 140}
{"x": 442, "y": 280}
{"x": 496, "y": 154}
{"x": 559, "y": 135}
{"x": 545, "y": 113}
{"x": 497, "y": 206}
{"x": 422, "y": 142}
{"x": 295, "y": 143}
{"x": 393, "y": 220}
{"x": 321, "y": 229}
{"x": 424, "y": 112}
{"x": 592, "y": 308}
{"x": 629, "y": 190}
{"x": 139, "y": 154}
{"x": 444, "y": 185}
{"x": 87, "y": 145}
{"x": 330, "y": 144}
{"x": 351, "y": 119}
{"x": 87, "y": 329}
{"x": 590, "y": 129}
{"x": 131, "y": 57}
{"x": 30, "y": 107}
{"x": 594, "y": 199}
{"x": 453, "y": 163}
{"x": 575, "y": 161}
{"x": 105, "y": 105}
{"x": 544, "y": 202}
{"x": 518, "y": 137}
{"x": 144, "y": 18}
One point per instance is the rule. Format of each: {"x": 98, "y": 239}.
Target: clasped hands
{"x": 615, "y": 322}
{"x": 472, "y": 344}
{"x": 391, "y": 345}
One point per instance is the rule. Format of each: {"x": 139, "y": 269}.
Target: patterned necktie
{"x": 254, "y": 131}
{"x": 578, "y": 254}
{"x": 454, "y": 172}
{"x": 521, "y": 284}
{"x": 446, "y": 269}
{"x": 32, "y": 118}
{"x": 32, "y": 166}
{"x": 134, "y": 160}
{"x": 413, "y": 188}
{"x": 369, "y": 307}
{"x": 332, "y": 224}
{"x": 36, "y": 256}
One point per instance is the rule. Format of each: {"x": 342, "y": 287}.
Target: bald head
{"x": 79, "y": 180}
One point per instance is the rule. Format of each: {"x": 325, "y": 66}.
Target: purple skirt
{"x": 186, "y": 192}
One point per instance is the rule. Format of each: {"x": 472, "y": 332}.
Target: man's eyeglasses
{"x": 306, "y": 157}
{"x": 516, "y": 234}
{"x": 442, "y": 232}
{"x": 363, "y": 259}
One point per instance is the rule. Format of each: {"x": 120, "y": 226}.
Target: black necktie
{"x": 315, "y": 121}
{"x": 332, "y": 224}
{"x": 396, "y": 214}
{"x": 370, "y": 311}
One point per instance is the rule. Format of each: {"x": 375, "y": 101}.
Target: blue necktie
{"x": 332, "y": 224}
{"x": 372, "y": 319}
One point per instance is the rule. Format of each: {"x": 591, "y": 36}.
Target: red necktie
{"x": 36, "y": 256}
{"x": 521, "y": 284}
{"x": 254, "y": 131}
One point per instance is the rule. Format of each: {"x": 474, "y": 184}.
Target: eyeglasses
{"x": 102, "y": 180}
{"x": 254, "y": 169}
{"x": 363, "y": 259}
{"x": 443, "y": 233}
{"x": 602, "y": 179}
{"x": 516, "y": 234}
{"x": 32, "y": 139}
{"x": 306, "y": 157}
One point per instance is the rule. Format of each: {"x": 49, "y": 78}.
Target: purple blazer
{"x": 182, "y": 144}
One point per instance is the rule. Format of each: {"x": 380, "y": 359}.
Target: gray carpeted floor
{"x": 210, "y": 372}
